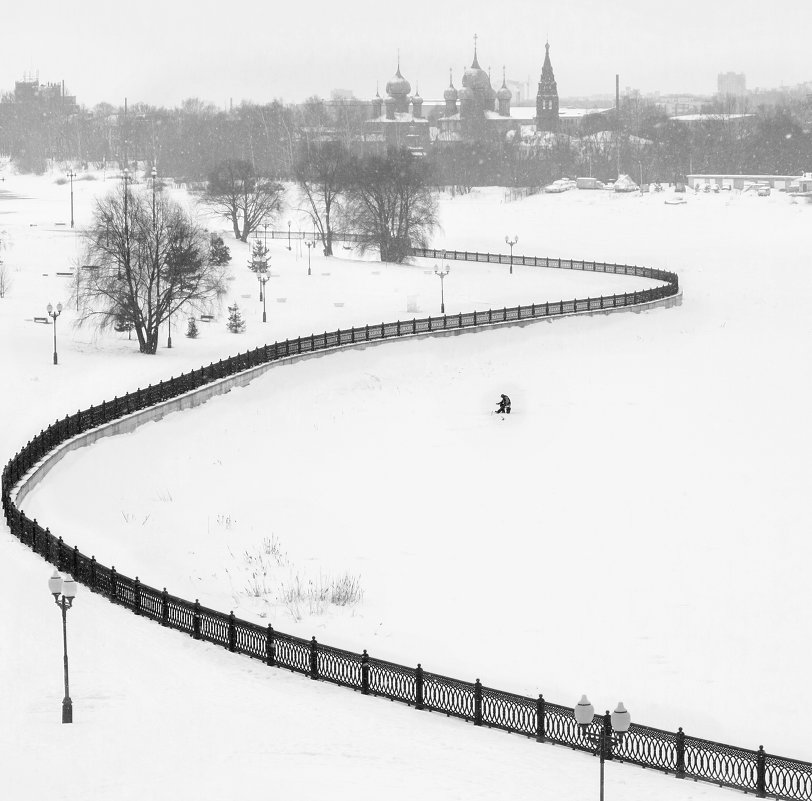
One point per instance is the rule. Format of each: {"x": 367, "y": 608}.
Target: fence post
{"x": 164, "y": 607}
{"x": 270, "y": 647}
{"x": 477, "y": 703}
{"x": 680, "y": 774}
{"x": 761, "y": 773}
{"x": 414, "y": 325}
{"x": 33, "y": 533}
{"x": 60, "y": 559}
{"x": 196, "y": 620}
{"x": 314, "y": 659}
{"x": 366, "y": 332}
{"x": 137, "y": 597}
{"x": 418, "y": 687}
{"x": 541, "y": 734}
{"x": 365, "y": 673}
{"x": 232, "y": 632}
{"x": 92, "y": 573}
{"x": 113, "y": 584}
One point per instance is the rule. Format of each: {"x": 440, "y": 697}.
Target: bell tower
{"x": 547, "y": 97}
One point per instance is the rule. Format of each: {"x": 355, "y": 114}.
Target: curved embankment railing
{"x": 670, "y": 752}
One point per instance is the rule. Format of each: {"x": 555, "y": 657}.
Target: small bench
{"x": 206, "y": 318}
{"x": 45, "y": 320}
{"x": 68, "y": 275}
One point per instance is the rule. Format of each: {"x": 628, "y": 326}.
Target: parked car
{"x": 763, "y": 191}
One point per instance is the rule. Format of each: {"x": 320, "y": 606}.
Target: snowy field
{"x": 633, "y": 531}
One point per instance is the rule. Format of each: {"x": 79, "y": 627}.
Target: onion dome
{"x": 475, "y": 77}
{"x": 398, "y": 85}
{"x": 465, "y": 94}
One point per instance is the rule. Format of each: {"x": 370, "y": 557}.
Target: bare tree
{"x": 145, "y": 258}
{"x": 323, "y": 175}
{"x": 238, "y": 193}
{"x": 390, "y": 204}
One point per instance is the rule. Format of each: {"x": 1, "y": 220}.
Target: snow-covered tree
{"x": 219, "y": 253}
{"x": 235, "y": 324}
{"x": 259, "y": 257}
{"x": 191, "y": 329}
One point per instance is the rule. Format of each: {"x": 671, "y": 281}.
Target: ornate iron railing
{"x": 677, "y": 753}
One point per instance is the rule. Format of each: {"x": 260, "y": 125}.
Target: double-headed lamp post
{"x": 54, "y": 313}
{"x": 263, "y": 279}
{"x": 64, "y": 591}
{"x": 511, "y": 242}
{"x": 288, "y": 234}
{"x": 309, "y": 246}
{"x": 71, "y": 175}
{"x": 442, "y": 274}
{"x": 611, "y": 728}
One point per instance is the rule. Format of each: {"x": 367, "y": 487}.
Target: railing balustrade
{"x": 684, "y": 756}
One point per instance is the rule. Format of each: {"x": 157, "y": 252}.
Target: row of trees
{"x": 146, "y": 258}
{"x": 386, "y": 201}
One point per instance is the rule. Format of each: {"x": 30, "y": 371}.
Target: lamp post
{"x": 511, "y": 242}
{"x": 265, "y": 234}
{"x": 54, "y": 313}
{"x": 64, "y": 591}
{"x": 71, "y": 175}
{"x": 288, "y": 234}
{"x": 263, "y": 279}
{"x": 442, "y": 274}
{"x": 309, "y": 246}
{"x": 610, "y": 730}
{"x": 260, "y": 277}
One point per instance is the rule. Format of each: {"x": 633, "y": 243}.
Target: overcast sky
{"x": 162, "y": 51}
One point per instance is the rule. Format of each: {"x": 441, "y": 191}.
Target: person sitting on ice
{"x": 504, "y": 405}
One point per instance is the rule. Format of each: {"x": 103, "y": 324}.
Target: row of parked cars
{"x": 623, "y": 184}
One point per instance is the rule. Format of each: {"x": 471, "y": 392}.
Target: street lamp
{"x": 610, "y": 730}
{"x": 64, "y": 591}
{"x": 54, "y": 313}
{"x": 71, "y": 175}
{"x": 265, "y": 235}
{"x": 442, "y": 274}
{"x": 263, "y": 279}
{"x": 261, "y": 285}
{"x": 512, "y": 242}
{"x": 309, "y": 245}
{"x": 288, "y": 234}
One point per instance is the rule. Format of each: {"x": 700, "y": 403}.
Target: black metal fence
{"x": 670, "y": 752}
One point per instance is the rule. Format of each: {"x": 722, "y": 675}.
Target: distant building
{"x": 780, "y": 182}
{"x": 547, "y": 97}
{"x": 29, "y": 91}
{"x": 402, "y": 124}
{"x": 475, "y": 113}
{"x": 731, "y": 83}
{"x": 732, "y": 119}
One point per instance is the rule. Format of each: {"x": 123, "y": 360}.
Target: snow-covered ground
{"x": 634, "y": 530}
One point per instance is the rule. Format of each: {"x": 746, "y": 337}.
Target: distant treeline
{"x": 186, "y": 142}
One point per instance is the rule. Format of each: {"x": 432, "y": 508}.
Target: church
{"x": 476, "y": 113}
